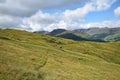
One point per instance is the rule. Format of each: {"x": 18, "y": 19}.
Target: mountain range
{"x": 91, "y": 34}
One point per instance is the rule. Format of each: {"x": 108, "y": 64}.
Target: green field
{"x": 30, "y": 56}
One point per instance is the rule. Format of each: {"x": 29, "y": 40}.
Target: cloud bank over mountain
{"x": 30, "y": 14}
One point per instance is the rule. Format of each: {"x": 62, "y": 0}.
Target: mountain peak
{"x": 57, "y": 31}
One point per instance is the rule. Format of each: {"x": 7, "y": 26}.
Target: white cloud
{"x": 9, "y": 21}
{"x": 78, "y": 14}
{"x": 110, "y": 24}
{"x": 2, "y": 1}
{"x": 117, "y": 12}
{"x": 102, "y": 4}
{"x": 28, "y": 15}
{"x": 37, "y": 22}
{"x": 44, "y": 21}
{"x": 27, "y": 8}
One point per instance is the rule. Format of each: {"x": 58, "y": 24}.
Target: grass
{"x": 28, "y": 56}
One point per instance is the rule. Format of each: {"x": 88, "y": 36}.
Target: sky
{"x": 47, "y": 15}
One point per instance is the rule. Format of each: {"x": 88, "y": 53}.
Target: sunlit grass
{"x": 28, "y": 56}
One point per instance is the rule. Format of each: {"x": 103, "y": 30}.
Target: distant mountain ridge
{"x": 56, "y": 32}
{"x": 42, "y": 32}
{"x": 91, "y": 34}
{"x": 106, "y": 34}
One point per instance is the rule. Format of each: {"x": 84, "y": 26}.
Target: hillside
{"x": 106, "y": 34}
{"x": 56, "y": 32}
{"x": 67, "y": 34}
{"x": 91, "y": 34}
{"x": 30, "y": 56}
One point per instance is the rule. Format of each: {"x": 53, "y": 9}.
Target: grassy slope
{"x": 106, "y": 34}
{"x": 28, "y": 56}
{"x": 114, "y": 37}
